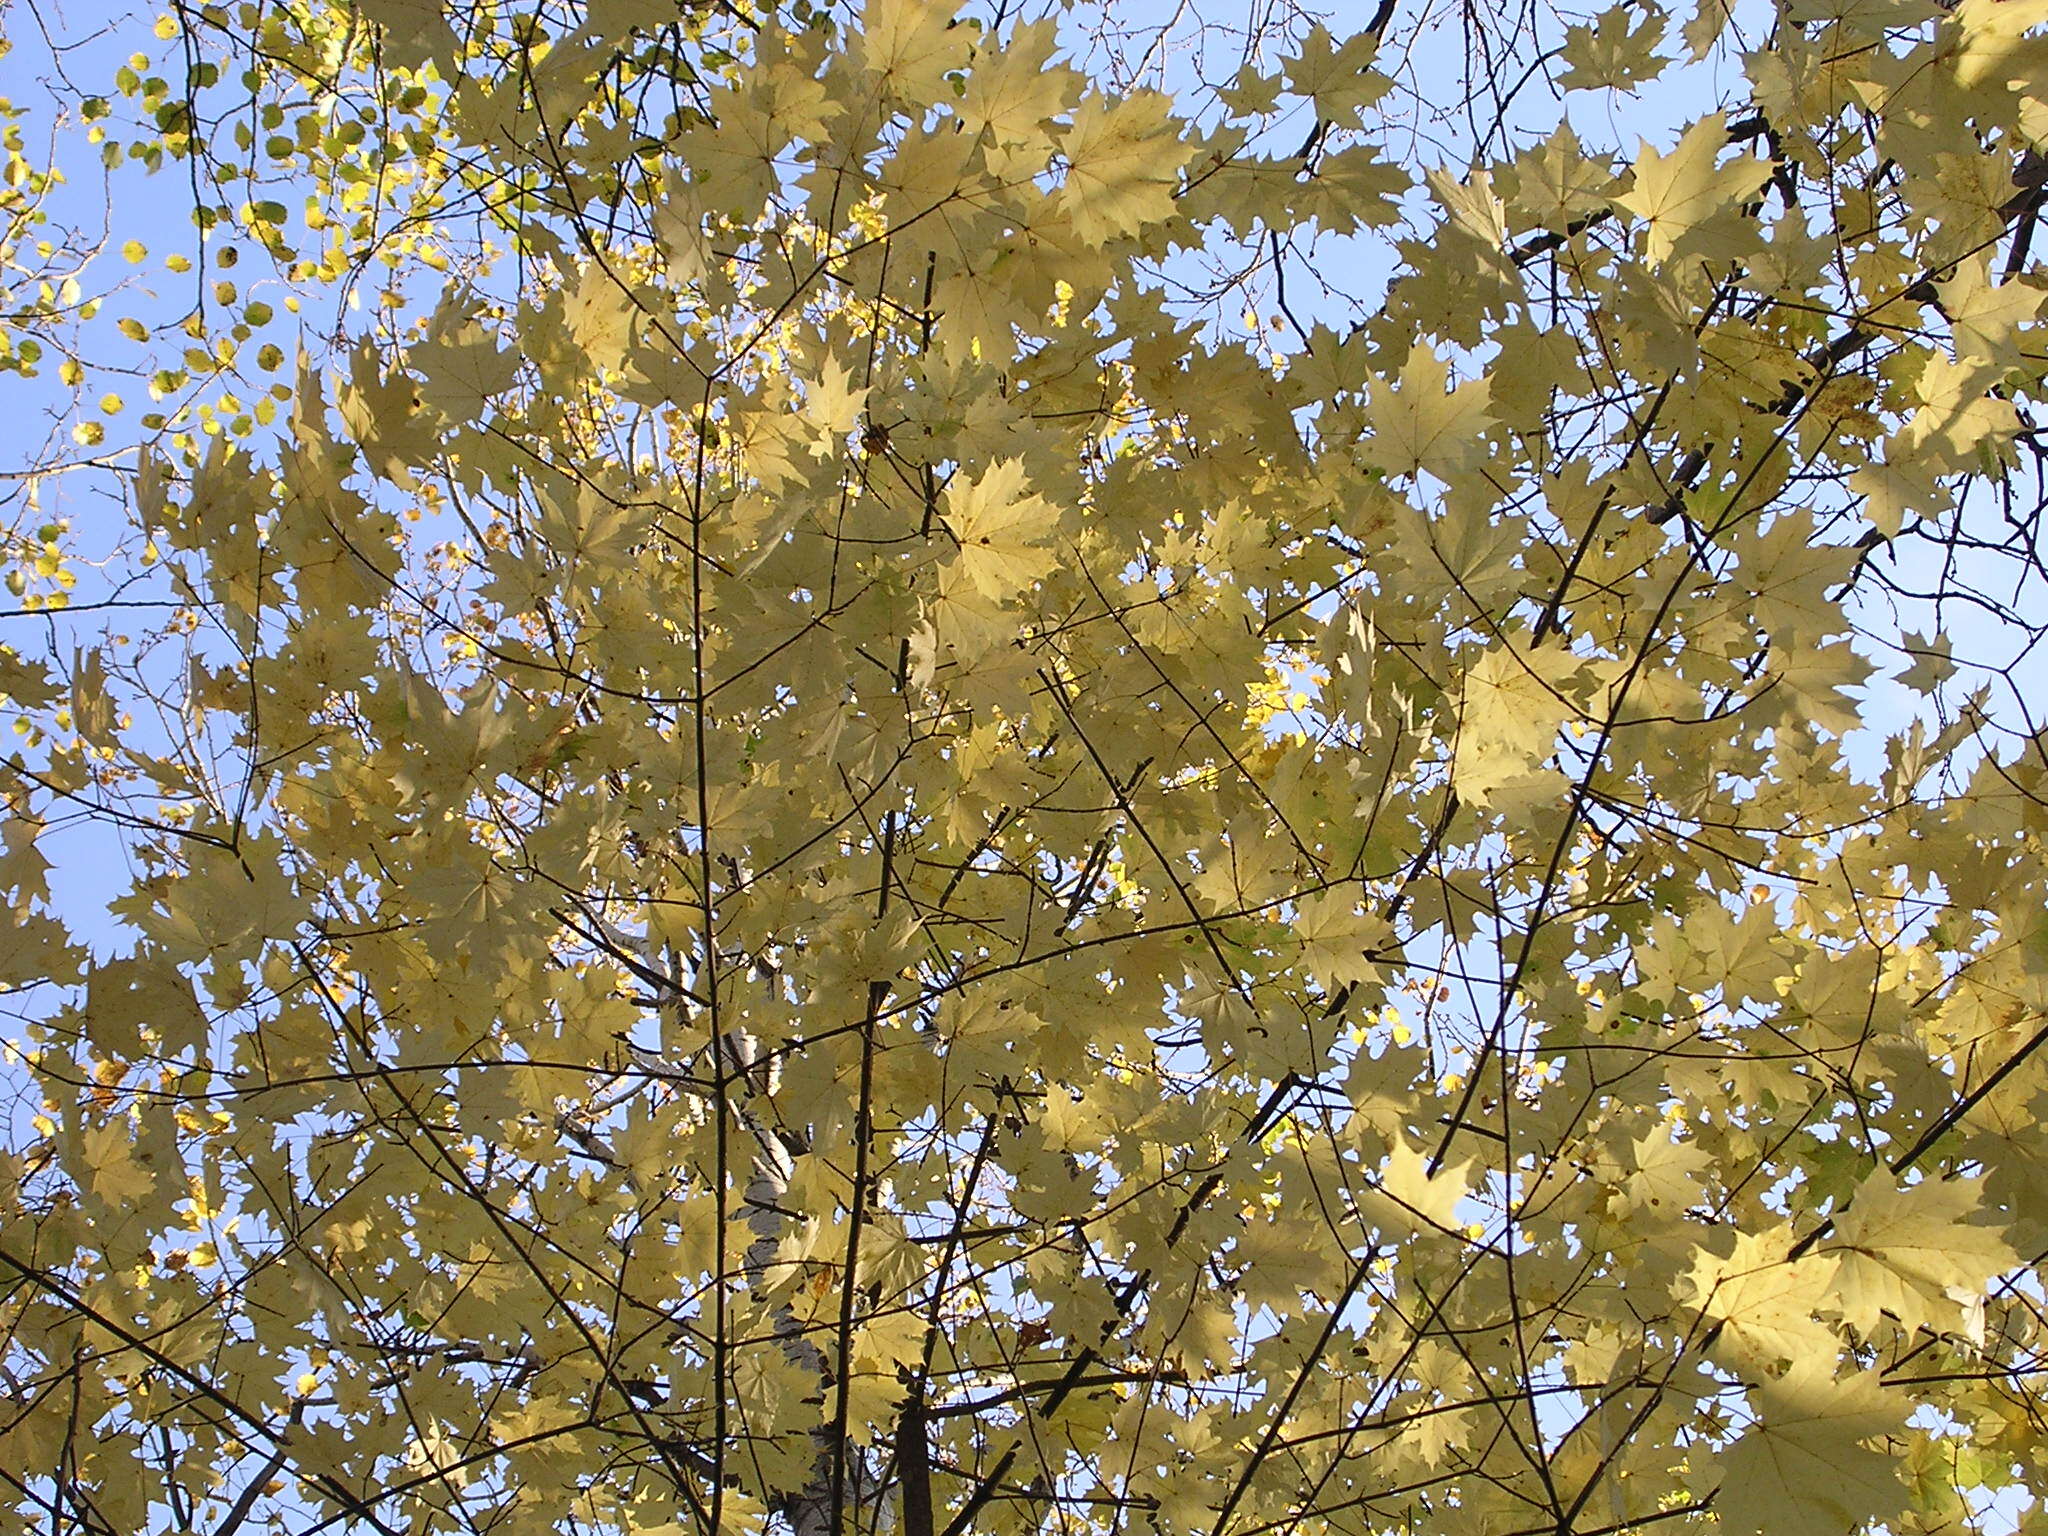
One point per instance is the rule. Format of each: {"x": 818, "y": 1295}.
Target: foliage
{"x": 796, "y": 849}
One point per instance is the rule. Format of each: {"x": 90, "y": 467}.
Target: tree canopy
{"x": 882, "y": 768}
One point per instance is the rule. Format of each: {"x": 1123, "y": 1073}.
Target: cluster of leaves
{"x": 803, "y": 859}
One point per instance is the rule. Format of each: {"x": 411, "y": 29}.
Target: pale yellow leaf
{"x": 1001, "y": 529}
{"x": 1763, "y": 1300}
{"x": 911, "y": 45}
{"x": 1682, "y": 192}
{"x": 1509, "y": 721}
{"x": 1421, "y": 425}
{"x": 1123, "y": 163}
{"x": 1805, "y": 1469}
{"x": 120, "y": 1176}
{"x": 1406, "y": 1200}
{"x": 1905, "y": 1250}
{"x": 1014, "y": 90}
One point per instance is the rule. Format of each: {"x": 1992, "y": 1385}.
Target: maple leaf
{"x": 1420, "y": 425}
{"x": 1764, "y": 1300}
{"x": 24, "y": 681}
{"x": 1556, "y": 182}
{"x": 1000, "y": 531}
{"x": 1792, "y": 572}
{"x": 600, "y": 315}
{"x": 463, "y": 368}
{"x": 1123, "y": 164}
{"x": 144, "y": 991}
{"x": 1744, "y": 950}
{"x": 1508, "y": 722}
{"x": 1960, "y": 418}
{"x": 1351, "y": 188}
{"x": 1668, "y": 1178}
{"x": 1805, "y": 1465}
{"x": 121, "y": 1175}
{"x": 1251, "y": 93}
{"x": 911, "y": 45}
{"x": 832, "y": 405}
{"x": 1932, "y": 663}
{"x": 591, "y": 532}
{"x": 1908, "y": 1250}
{"x": 382, "y": 414}
{"x": 92, "y": 709}
{"x": 1015, "y": 90}
{"x": 1616, "y": 52}
{"x": 1984, "y": 317}
{"x": 1899, "y": 486}
{"x": 1710, "y": 18}
{"x": 1682, "y": 195}
{"x": 415, "y": 31}
{"x": 1994, "y": 45}
{"x": 1338, "y": 939}
{"x": 1337, "y": 77}
{"x": 36, "y": 948}
{"x": 1406, "y": 1199}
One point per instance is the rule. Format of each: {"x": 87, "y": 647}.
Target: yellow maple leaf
{"x": 1013, "y": 91}
{"x": 1994, "y": 43}
{"x": 1984, "y": 315}
{"x": 1614, "y": 53}
{"x": 1123, "y": 162}
{"x": 1406, "y": 1200}
{"x": 1765, "y": 1300}
{"x": 600, "y": 315}
{"x": 1337, "y": 76}
{"x": 1509, "y": 722}
{"x": 119, "y": 1175}
{"x": 1803, "y": 1469}
{"x": 999, "y": 528}
{"x": 462, "y": 368}
{"x": 1668, "y": 1177}
{"x": 832, "y": 405}
{"x": 1420, "y": 425}
{"x": 414, "y": 31}
{"x": 1959, "y": 414}
{"x": 1682, "y": 193}
{"x": 1337, "y": 937}
{"x": 1898, "y": 486}
{"x": 1912, "y": 1252}
{"x": 912, "y": 45}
